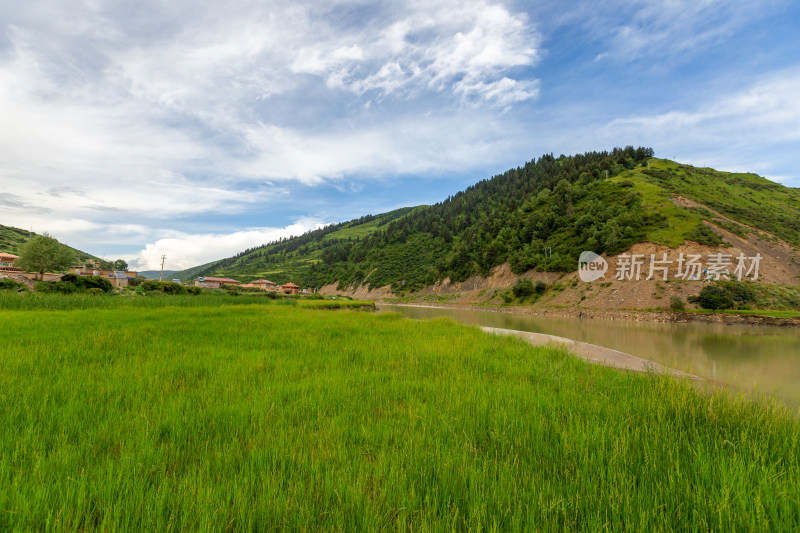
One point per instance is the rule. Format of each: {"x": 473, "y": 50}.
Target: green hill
{"x": 293, "y": 258}
{"x": 11, "y": 239}
{"x": 541, "y": 215}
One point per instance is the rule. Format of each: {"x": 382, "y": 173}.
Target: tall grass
{"x": 266, "y": 417}
{"x": 34, "y": 301}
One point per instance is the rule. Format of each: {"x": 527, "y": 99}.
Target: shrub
{"x": 702, "y": 234}
{"x": 11, "y": 285}
{"x": 231, "y": 288}
{"x": 741, "y": 293}
{"x": 540, "y": 287}
{"x": 71, "y": 278}
{"x": 151, "y": 285}
{"x": 167, "y": 287}
{"x": 62, "y": 287}
{"x": 713, "y": 297}
{"x": 507, "y": 296}
{"x": 94, "y": 282}
{"x": 725, "y": 295}
{"x": 94, "y": 290}
{"x": 84, "y": 282}
{"x": 523, "y": 288}
{"x": 170, "y": 287}
{"x": 676, "y": 303}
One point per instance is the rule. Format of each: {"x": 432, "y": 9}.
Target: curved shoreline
{"x": 592, "y": 353}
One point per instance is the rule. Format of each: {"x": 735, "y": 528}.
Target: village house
{"x": 9, "y": 271}
{"x": 262, "y": 284}
{"x": 214, "y": 283}
{"x": 117, "y": 278}
{"x": 290, "y": 288}
{"x": 7, "y": 262}
{"x": 265, "y": 285}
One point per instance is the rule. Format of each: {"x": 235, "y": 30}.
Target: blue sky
{"x": 198, "y": 129}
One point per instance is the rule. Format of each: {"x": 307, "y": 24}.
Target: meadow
{"x": 278, "y": 416}
{"x": 36, "y": 301}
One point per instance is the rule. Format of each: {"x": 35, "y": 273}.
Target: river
{"x": 764, "y": 360}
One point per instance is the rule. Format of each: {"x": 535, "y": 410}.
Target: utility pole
{"x": 163, "y": 258}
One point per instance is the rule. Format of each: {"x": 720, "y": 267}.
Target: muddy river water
{"x": 765, "y": 360}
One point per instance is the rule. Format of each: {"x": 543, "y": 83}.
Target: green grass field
{"x": 34, "y": 301}
{"x": 279, "y": 416}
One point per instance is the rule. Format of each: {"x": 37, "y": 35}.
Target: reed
{"x": 262, "y": 417}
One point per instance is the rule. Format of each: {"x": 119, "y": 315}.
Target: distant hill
{"x": 289, "y": 259}
{"x": 11, "y": 239}
{"x": 540, "y": 216}
{"x": 154, "y": 274}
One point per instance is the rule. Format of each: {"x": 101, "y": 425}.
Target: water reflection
{"x": 765, "y": 359}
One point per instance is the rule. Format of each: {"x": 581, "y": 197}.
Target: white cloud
{"x": 165, "y": 110}
{"x": 435, "y": 46}
{"x": 187, "y": 250}
{"x": 504, "y": 92}
{"x": 665, "y": 29}
{"x": 410, "y": 145}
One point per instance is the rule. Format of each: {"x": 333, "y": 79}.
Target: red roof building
{"x": 290, "y": 288}
{"x": 264, "y": 285}
{"x": 214, "y": 283}
{"x": 7, "y": 262}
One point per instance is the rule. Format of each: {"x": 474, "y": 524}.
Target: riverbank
{"x": 593, "y": 353}
{"x": 622, "y": 314}
{"x": 757, "y": 360}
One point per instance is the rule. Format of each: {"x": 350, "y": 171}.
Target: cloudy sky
{"x": 197, "y": 129}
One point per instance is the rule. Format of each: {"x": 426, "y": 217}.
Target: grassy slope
{"x": 191, "y": 273}
{"x": 280, "y": 417}
{"x": 12, "y": 238}
{"x": 746, "y": 198}
{"x": 679, "y": 221}
{"x": 250, "y": 266}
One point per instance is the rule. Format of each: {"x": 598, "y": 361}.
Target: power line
{"x": 163, "y": 258}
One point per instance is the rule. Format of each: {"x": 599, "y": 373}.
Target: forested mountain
{"x": 541, "y": 215}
